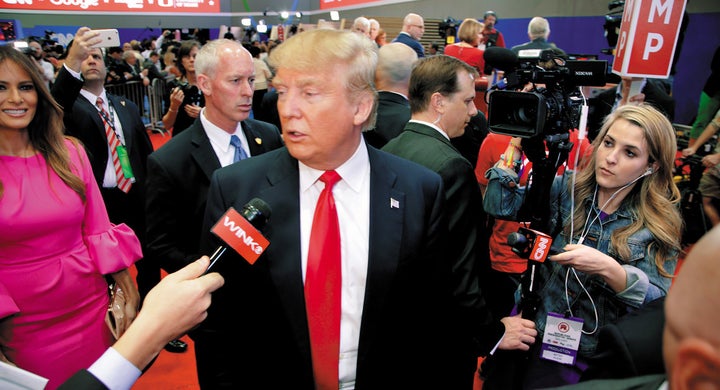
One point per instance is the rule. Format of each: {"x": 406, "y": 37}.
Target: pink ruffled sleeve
{"x": 112, "y": 247}
{"x": 7, "y": 304}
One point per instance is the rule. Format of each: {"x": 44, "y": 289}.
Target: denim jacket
{"x": 644, "y": 282}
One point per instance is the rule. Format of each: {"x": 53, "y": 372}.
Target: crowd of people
{"x": 388, "y": 263}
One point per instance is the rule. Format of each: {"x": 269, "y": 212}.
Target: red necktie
{"x": 322, "y": 287}
{"x": 122, "y": 182}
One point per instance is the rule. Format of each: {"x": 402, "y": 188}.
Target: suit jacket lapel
{"x": 386, "y": 229}
{"x": 284, "y": 248}
{"x": 94, "y": 115}
{"x": 254, "y": 140}
{"x": 203, "y": 152}
{"x": 118, "y": 104}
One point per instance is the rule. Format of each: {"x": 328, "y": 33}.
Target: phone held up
{"x": 110, "y": 38}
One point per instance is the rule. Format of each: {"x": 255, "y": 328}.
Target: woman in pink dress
{"x": 56, "y": 241}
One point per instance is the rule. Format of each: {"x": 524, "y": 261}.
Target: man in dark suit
{"x": 413, "y": 29}
{"x": 131, "y": 69}
{"x": 179, "y": 172}
{"x": 394, "y": 283}
{"x": 441, "y": 96}
{"x": 80, "y": 82}
{"x": 652, "y": 91}
{"x": 392, "y": 77}
{"x": 152, "y": 65}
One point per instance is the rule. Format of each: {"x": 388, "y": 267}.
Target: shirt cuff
{"x": 75, "y": 74}
{"x": 114, "y": 371}
{"x": 636, "y": 286}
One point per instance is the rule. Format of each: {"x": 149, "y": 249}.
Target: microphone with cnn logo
{"x": 241, "y": 231}
{"x": 534, "y": 246}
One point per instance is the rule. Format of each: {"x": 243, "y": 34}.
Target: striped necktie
{"x": 123, "y": 183}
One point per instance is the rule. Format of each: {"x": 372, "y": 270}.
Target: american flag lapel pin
{"x": 394, "y": 204}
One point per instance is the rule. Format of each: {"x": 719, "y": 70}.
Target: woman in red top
{"x": 469, "y": 34}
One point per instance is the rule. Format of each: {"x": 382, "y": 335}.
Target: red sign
{"x": 648, "y": 36}
{"x": 240, "y": 235}
{"x": 165, "y": 6}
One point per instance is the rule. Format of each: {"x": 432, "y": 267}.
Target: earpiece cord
{"x": 592, "y": 302}
{"x": 567, "y": 274}
{"x": 583, "y": 234}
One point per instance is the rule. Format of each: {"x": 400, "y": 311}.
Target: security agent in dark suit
{"x": 78, "y": 84}
{"x": 441, "y": 94}
{"x": 392, "y": 76}
{"x": 395, "y": 291}
{"x": 179, "y": 172}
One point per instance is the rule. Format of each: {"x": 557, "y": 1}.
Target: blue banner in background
{"x": 60, "y": 34}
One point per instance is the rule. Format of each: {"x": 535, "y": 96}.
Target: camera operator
{"x": 616, "y": 231}
{"x": 184, "y": 99}
{"x": 37, "y": 54}
{"x": 490, "y": 35}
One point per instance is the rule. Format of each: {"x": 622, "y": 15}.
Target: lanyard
{"x": 111, "y": 122}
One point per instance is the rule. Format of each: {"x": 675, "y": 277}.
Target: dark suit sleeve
{"x": 167, "y": 212}
{"x": 66, "y": 89}
{"x": 630, "y": 347}
{"x": 82, "y": 380}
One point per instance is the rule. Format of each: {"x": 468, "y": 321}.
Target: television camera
{"x": 542, "y": 116}
{"x": 553, "y": 108}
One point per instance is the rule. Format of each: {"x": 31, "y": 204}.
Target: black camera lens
{"x": 518, "y": 114}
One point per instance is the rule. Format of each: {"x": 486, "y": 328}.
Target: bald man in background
{"x": 412, "y": 30}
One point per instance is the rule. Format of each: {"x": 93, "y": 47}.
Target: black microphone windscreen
{"x": 501, "y": 58}
{"x": 257, "y": 212}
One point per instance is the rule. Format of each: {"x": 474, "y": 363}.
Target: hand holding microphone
{"x": 241, "y": 231}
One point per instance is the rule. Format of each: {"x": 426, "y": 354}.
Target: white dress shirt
{"x": 220, "y": 140}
